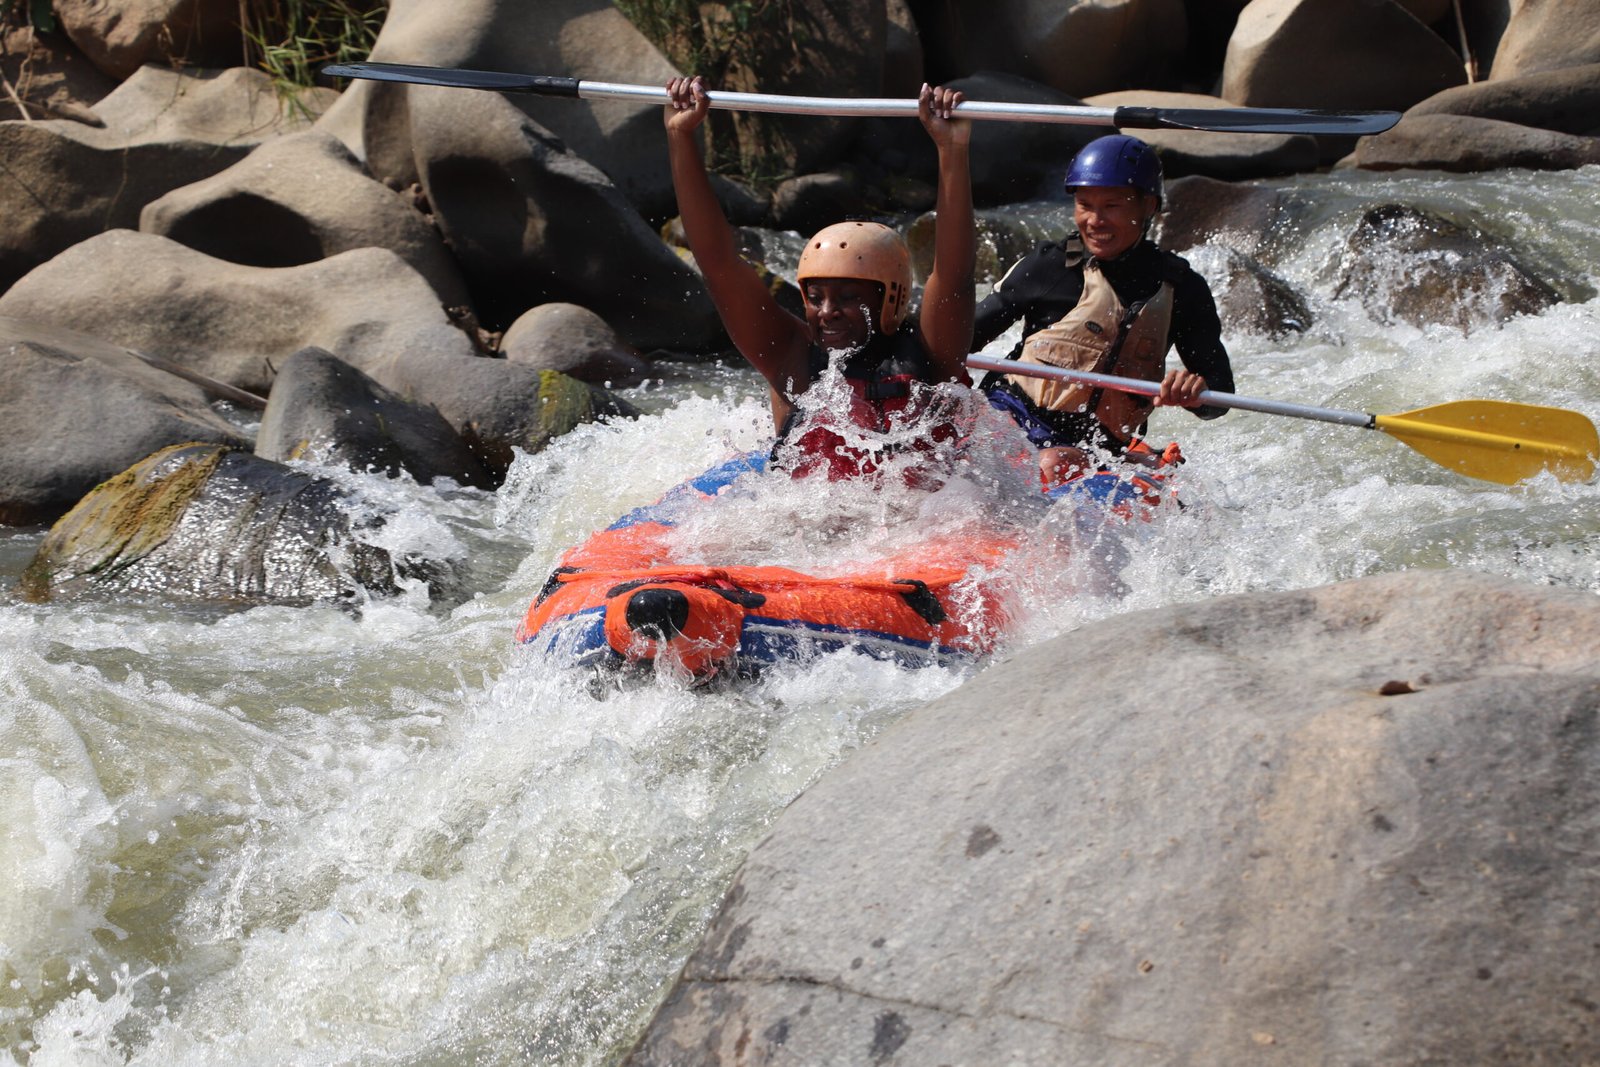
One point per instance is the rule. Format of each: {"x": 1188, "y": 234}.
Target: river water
{"x": 313, "y": 836}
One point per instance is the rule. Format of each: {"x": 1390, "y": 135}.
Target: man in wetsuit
{"x": 1103, "y": 299}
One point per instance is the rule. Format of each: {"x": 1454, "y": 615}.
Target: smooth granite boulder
{"x": 1358, "y": 824}
{"x": 75, "y": 410}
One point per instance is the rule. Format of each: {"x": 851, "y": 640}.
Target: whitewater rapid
{"x": 312, "y": 836}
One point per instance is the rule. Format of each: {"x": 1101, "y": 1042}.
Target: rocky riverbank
{"x": 1353, "y": 822}
{"x": 198, "y": 217}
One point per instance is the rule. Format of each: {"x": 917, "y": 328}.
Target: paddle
{"x": 1215, "y": 120}
{"x": 1496, "y": 440}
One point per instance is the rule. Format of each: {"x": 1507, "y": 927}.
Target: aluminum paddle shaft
{"x": 1217, "y": 120}
{"x": 1496, "y": 440}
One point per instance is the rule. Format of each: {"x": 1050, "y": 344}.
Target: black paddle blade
{"x": 493, "y": 80}
{"x": 1255, "y": 120}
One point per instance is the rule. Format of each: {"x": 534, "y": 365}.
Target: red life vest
{"x": 890, "y": 387}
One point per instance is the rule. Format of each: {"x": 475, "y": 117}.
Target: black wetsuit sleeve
{"x": 1197, "y": 335}
{"x": 994, "y": 316}
{"x": 1032, "y": 279}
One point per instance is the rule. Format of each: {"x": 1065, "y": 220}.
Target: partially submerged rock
{"x": 217, "y": 525}
{"x": 1362, "y": 831}
{"x": 323, "y": 409}
{"x": 498, "y": 406}
{"x": 575, "y": 341}
{"x": 75, "y": 411}
{"x": 1414, "y": 266}
{"x": 1251, "y": 298}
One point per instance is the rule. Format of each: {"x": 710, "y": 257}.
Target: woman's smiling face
{"x": 842, "y": 312}
{"x": 1111, "y": 219}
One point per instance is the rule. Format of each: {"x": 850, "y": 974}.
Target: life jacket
{"x": 1103, "y": 336}
{"x": 891, "y": 385}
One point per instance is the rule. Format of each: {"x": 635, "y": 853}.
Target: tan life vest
{"x": 1101, "y": 335}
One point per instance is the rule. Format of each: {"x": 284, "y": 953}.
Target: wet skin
{"x": 841, "y": 311}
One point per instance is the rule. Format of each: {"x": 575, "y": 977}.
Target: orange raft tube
{"x": 617, "y": 599}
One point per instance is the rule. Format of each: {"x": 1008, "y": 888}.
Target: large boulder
{"x": 902, "y": 51}
{"x": 75, "y": 410}
{"x": 324, "y": 410}
{"x": 1076, "y": 47}
{"x": 1547, "y": 35}
{"x": 214, "y": 524}
{"x": 801, "y": 48}
{"x": 1566, "y": 100}
{"x": 530, "y": 223}
{"x": 1229, "y": 156}
{"x": 588, "y": 39}
{"x": 120, "y": 37}
{"x": 1466, "y": 143}
{"x": 1485, "y": 22}
{"x": 67, "y": 181}
{"x": 296, "y": 200}
{"x": 1408, "y": 265}
{"x": 234, "y": 323}
{"x": 1358, "y": 828}
{"x": 1342, "y": 54}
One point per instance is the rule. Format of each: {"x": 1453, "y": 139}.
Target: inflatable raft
{"x": 618, "y": 598}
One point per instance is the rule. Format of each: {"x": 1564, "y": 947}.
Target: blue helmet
{"x": 1117, "y": 160}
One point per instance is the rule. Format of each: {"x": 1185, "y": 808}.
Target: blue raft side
{"x": 580, "y": 638}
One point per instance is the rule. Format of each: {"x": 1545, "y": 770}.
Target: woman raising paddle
{"x": 855, "y": 279}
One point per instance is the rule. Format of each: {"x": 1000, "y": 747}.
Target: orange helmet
{"x": 868, "y": 251}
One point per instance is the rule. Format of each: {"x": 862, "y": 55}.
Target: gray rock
{"x": 67, "y": 181}
{"x": 1362, "y": 831}
{"x": 1075, "y": 48}
{"x": 530, "y": 223}
{"x": 902, "y": 52}
{"x": 1229, "y": 156}
{"x": 1014, "y": 161}
{"x": 74, "y": 411}
{"x": 216, "y": 525}
{"x": 1198, "y": 209}
{"x": 234, "y": 323}
{"x": 497, "y": 406}
{"x": 1547, "y": 35}
{"x": 1464, "y": 143}
{"x": 809, "y": 202}
{"x": 1566, "y": 100}
{"x": 298, "y": 199}
{"x": 1409, "y": 265}
{"x": 323, "y": 409}
{"x": 575, "y": 341}
{"x": 574, "y": 38}
{"x": 119, "y": 37}
{"x": 1250, "y": 298}
{"x": 1342, "y": 54}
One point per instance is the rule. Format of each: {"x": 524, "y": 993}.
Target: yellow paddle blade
{"x": 1499, "y": 441}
